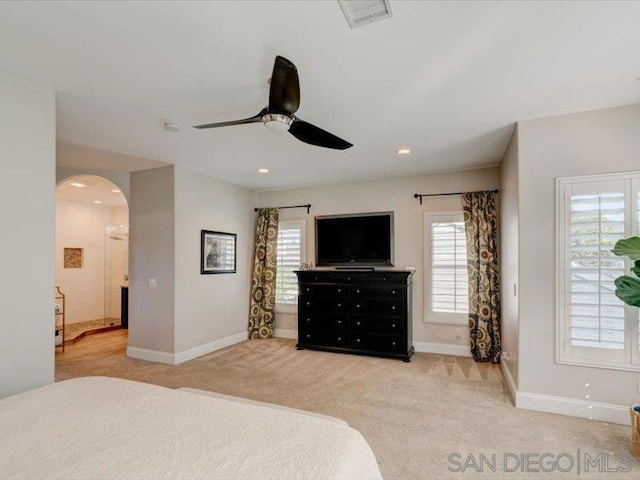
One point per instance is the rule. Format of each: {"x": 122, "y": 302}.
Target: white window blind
{"x": 446, "y": 277}
{"x": 290, "y": 252}
{"x": 594, "y": 326}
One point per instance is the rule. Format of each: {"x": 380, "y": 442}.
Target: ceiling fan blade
{"x": 254, "y": 119}
{"x": 284, "y": 94}
{"x": 308, "y": 133}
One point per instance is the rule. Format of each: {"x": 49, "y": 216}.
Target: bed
{"x": 109, "y": 428}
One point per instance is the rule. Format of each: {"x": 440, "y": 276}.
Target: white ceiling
{"x": 97, "y": 188}
{"x": 447, "y": 79}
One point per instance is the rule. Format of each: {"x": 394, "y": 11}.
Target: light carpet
{"x": 432, "y": 418}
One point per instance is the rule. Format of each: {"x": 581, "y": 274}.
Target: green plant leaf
{"x": 628, "y": 247}
{"x": 636, "y": 269}
{"x": 628, "y": 290}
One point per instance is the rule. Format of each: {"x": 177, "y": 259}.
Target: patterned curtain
{"x": 263, "y": 288}
{"x": 481, "y": 227}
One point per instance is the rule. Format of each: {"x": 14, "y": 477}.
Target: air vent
{"x": 362, "y": 12}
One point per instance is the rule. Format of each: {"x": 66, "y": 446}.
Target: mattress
{"x": 108, "y": 428}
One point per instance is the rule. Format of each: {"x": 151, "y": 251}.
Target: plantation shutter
{"x": 596, "y": 214}
{"x": 446, "y": 277}
{"x": 449, "y": 267}
{"x": 290, "y": 255}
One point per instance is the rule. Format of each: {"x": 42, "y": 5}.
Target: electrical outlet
{"x": 153, "y": 283}
{"x": 198, "y": 333}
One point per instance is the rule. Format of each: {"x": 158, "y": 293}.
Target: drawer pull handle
{"x": 393, "y": 325}
{"x": 358, "y": 306}
{"x": 358, "y": 340}
{"x": 339, "y": 290}
{"x": 357, "y": 323}
{"x": 308, "y": 303}
{"x": 393, "y": 307}
{"x": 308, "y": 335}
{"x": 308, "y": 320}
{"x": 393, "y": 344}
{"x": 339, "y": 305}
{"x": 339, "y": 338}
{"x": 339, "y": 322}
{"x": 393, "y": 292}
{"x": 357, "y": 291}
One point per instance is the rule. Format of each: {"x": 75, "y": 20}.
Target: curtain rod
{"x": 420, "y": 195}
{"x": 307, "y": 206}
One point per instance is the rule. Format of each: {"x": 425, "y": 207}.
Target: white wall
{"x": 601, "y": 141}
{"x": 394, "y": 194}
{"x": 27, "y": 150}
{"x": 187, "y": 314}
{"x": 216, "y": 306}
{"x": 152, "y": 254}
{"x": 510, "y": 256}
{"x": 81, "y": 225}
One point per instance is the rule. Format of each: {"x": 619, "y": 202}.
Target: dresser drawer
{"x": 379, "y": 292}
{"x": 381, "y": 343}
{"x": 377, "y": 306}
{"x": 311, "y": 304}
{"x": 324, "y": 291}
{"x": 368, "y": 324}
{"x": 323, "y": 338}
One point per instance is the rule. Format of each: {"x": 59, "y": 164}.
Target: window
{"x": 446, "y": 278}
{"x": 595, "y": 328}
{"x": 290, "y": 251}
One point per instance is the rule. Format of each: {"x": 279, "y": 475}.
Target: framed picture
{"x": 217, "y": 252}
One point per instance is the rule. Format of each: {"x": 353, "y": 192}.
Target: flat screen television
{"x": 360, "y": 240}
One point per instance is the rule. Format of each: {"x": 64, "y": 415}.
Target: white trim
{"x": 573, "y": 407}
{"x": 186, "y": 355}
{"x": 565, "y": 353}
{"x": 210, "y": 347}
{"x": 442, "y": 349}
{"x": 151, "y": 355}
{"x": 282, "y": 333}
{"x": 506, "y": 373}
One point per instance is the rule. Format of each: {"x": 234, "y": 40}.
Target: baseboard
{"x": 201, "y": 350}
{"x": 282, "y": 333}
{"x": 442, "y": 349}
{"x": 151, "y": 355}
{"x": 506, "y": 373}
{"x": 185, "y": 356}
{"x": 573, "y": 407}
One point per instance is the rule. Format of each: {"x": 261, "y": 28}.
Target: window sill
{"x": 610, "y": 366}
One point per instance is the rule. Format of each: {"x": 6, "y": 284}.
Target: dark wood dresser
{"x": 362, "y": 312}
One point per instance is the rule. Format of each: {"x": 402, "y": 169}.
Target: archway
{"x": 92, "y": 257}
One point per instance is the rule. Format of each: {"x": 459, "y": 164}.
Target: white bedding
{"x": 108, "y": 428}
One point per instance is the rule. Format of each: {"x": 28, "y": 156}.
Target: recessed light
{"x": 263, "y": 170}
{"x": 115, "y": 190}
{"x": 403, "y": 151}
{"x": 98, "y": 202}
{"x": 171, "y": 127}
{"x": 78, "y": 185}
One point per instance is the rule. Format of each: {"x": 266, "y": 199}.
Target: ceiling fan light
{"x": 277, "y": 122}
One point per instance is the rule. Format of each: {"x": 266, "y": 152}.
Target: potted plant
{"x": 628, "y": 290}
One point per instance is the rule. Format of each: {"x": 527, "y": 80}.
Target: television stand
{"x": 361, "y": 312}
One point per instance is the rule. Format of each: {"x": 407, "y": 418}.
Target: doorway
{"x": 92, "y": 256}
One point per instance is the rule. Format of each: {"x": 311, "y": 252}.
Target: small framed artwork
{"x": 217, "y": 252}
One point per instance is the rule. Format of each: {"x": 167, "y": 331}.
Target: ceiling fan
{"x": 284, "y": 100}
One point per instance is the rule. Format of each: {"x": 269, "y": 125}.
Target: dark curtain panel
{"x": 263, "y": 286}
{"x": 481, "y": 227}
